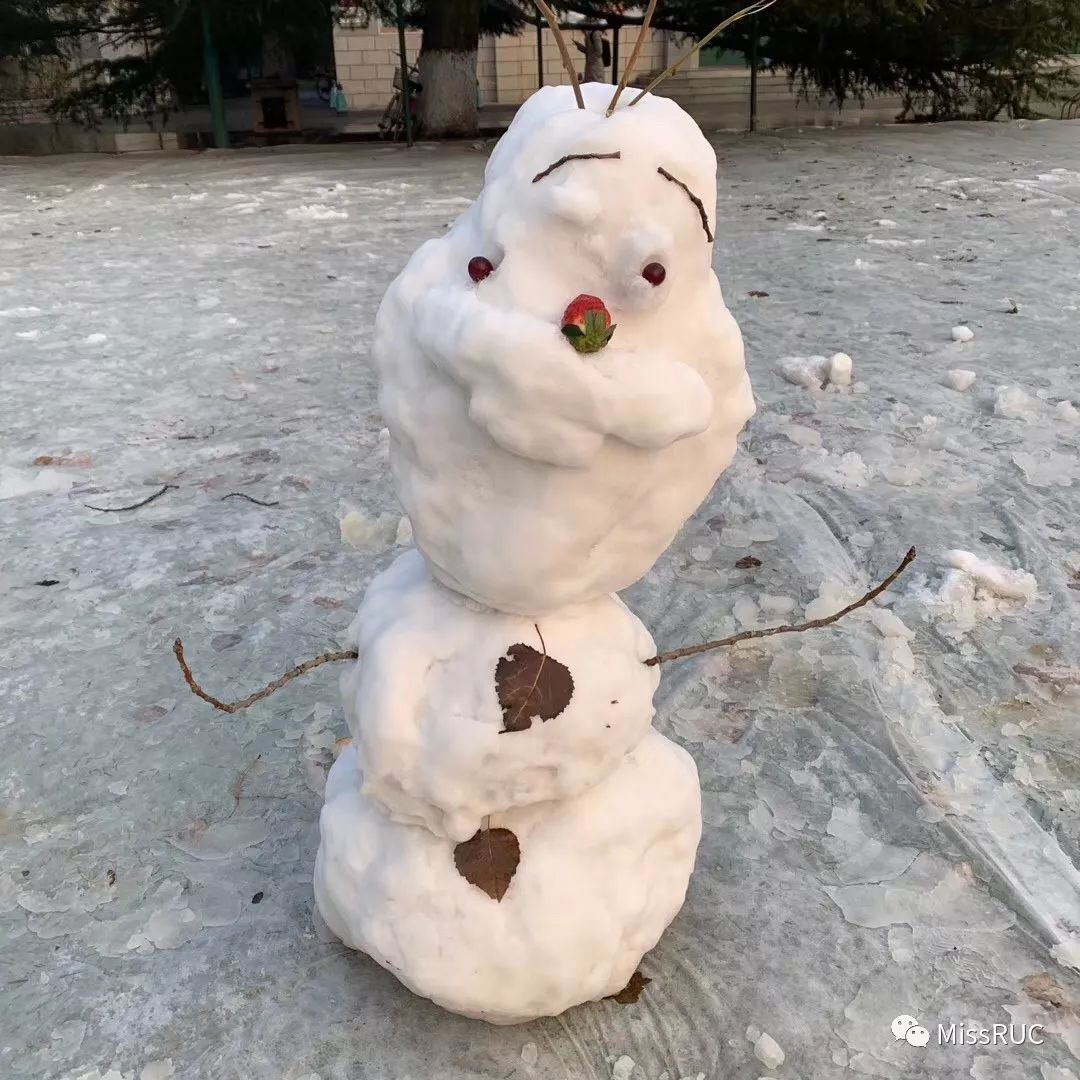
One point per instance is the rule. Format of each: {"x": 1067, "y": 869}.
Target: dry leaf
{"x": 489, "y": 859}
{"x": 632, "y": 991}
{"x": 747, "y": 562}
{"x": 531, "y": 684}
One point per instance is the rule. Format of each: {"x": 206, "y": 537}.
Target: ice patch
{"x": 1047, "y": 468}
{"x": 221, "y": 840}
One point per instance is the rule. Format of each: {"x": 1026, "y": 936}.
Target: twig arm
{"x": 790, "y": 628}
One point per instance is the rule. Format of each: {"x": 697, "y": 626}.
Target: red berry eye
{"x": 654, "y": 273}
{"x": 480, "y": 267}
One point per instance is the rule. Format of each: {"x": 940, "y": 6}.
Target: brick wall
{"x": 505, "y": 65}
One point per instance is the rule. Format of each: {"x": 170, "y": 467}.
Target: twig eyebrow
{"x": 573, "y": 157}
{"x": 693, "y": 198}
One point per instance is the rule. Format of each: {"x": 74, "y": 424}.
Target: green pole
{"x": 405, "y": 114}
{"x": 212, "y": 73}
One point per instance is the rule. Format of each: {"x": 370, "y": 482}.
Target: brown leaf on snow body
{"x": 489, "y": 859}
{"x": 632, "y": 991}
{"x": 531, "y": 684}
{"x": 747, "y": 562}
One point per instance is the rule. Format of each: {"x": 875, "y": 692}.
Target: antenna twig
{"x": 628, "y": 67}
{"x": 568, "y": 63}
{"x": 752, "y": 9}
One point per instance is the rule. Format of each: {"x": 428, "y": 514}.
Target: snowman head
{"x": 621, "y": 207}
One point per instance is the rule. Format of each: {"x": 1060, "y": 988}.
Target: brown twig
{"x": 693, "y": 198}
{"x": 573, "y": 157}
{"x": 813, "y": 624}
{"x": 560, "y": 41}
{"x": 242, "y": 778}
{"x": 133, "y": 506}
{"x": 241, "y": 495}
{"x": 628, "y": 67}
{"x": 266, "y": 691}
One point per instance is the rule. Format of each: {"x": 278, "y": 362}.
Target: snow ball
{"x": 623, "y": 1068}
{"x": 530, "y": 1054}
{"x": 95, "y": 339}
{"x": 959, "y": 379}
{"x": 1066, "y": 410}
{"x": 767, "y": 1051}
{"x": 999, "y": 581}
{"x": 1012, "y": 403}
{"x": 840, "y": 369}
{"x": 962, "y": 333}
{"x": 404, "y": 535}
{"x": 118, "y": 787}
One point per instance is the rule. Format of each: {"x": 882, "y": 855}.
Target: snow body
{"x": 422, "y": 706}
{"x": 600, "y": 878}
{"x": 535, "y": 477}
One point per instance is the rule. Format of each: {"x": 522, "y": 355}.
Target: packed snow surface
{"x": 884, "y": 834}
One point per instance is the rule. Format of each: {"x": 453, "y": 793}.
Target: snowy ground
{"x": 892, "y": 807}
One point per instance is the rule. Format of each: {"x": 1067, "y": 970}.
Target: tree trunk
{"x": 594, "y": 57}
{"x": 447, "y": 69}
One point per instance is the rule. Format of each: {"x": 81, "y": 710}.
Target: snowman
{"x": 507, "y": 833}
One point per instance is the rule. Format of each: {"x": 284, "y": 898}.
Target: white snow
{"x": 962, "y": 333}
{"x": 16, "y": 482}
{"x": 1067, "y": 411}
{"x": 600, "y": 877}
{"x": 559, "y": 477}
{"x": 999, "y": 581}
{"x": 315, "y": 212}
{"x": 840, "y": 369}
{"x": 767, "y": 1051}
{"x": 422, "y": 707}
{"x": 959, "y": 379}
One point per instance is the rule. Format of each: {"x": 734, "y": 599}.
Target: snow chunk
{"x": 530, "y": 1054}
{"x": 810, "y": 372}
{"x": 404, "y": 535}
{"x": 623, "y": 1069}
{"x": 962, "y": 333}
{"x": 1048, "y": 468}
{"x": 847, "y": 472}
{"x": 959, "y": 379}
{"x": 1000, "y": 582}
{"x": 767, "y": 1051}
{"x": 1066, "y": 410}
{"x": 839, "y": 373}
{"x": 158, "y": 1070}
{"x": 889, "y": 625}
{"x": 361, "y": 531}
{"x": 315, "y": 212}
{"x": 1013, "y": 403}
